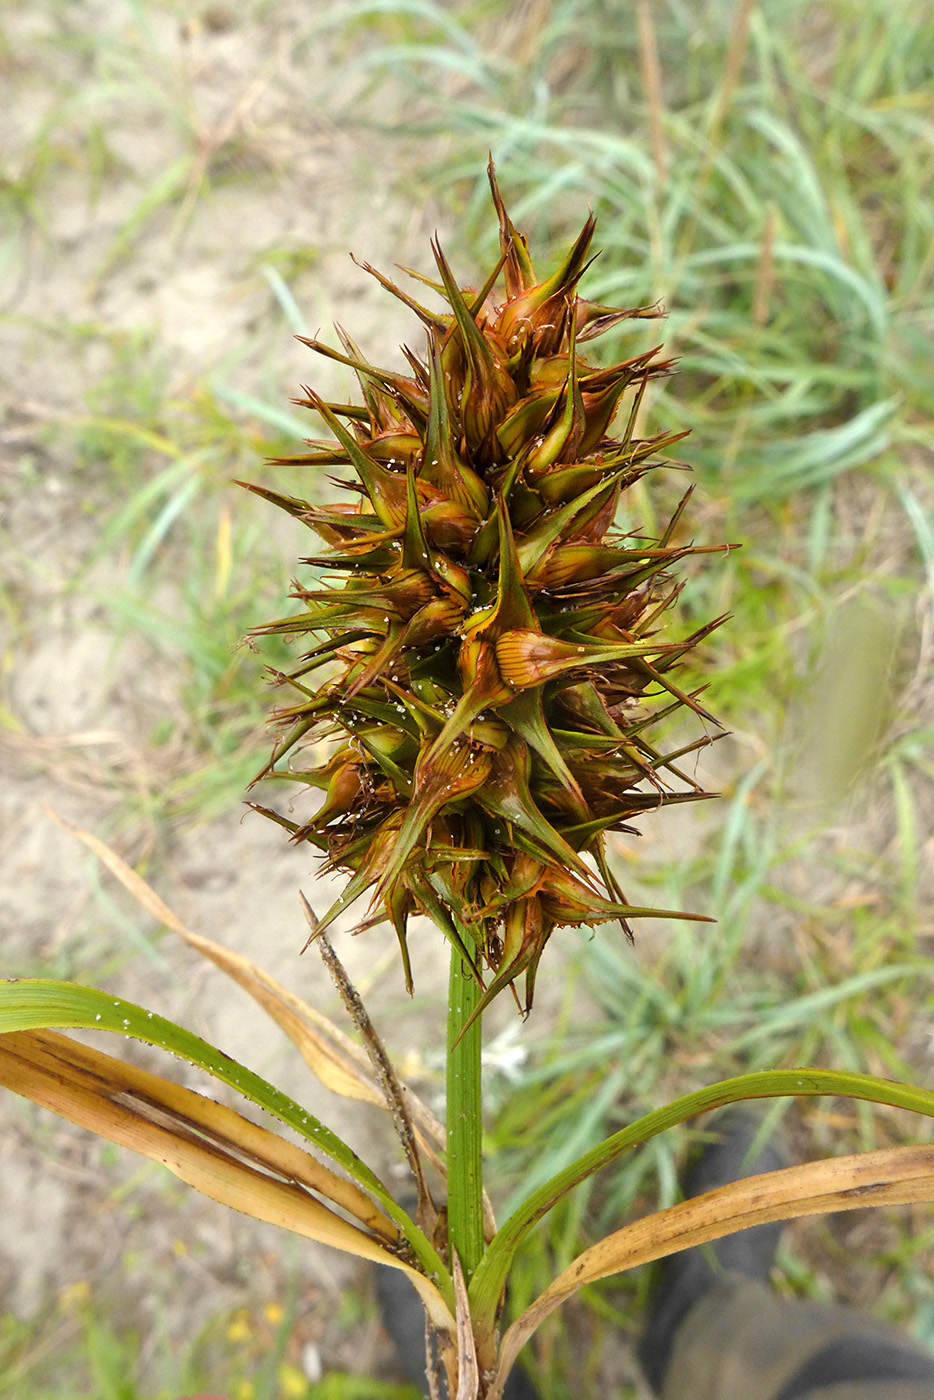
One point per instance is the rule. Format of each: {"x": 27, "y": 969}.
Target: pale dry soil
{"x": 288, "y": 170}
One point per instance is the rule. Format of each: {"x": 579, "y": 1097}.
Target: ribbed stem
{"x": 465, "y": 1167}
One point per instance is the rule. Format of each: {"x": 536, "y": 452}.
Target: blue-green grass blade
{"x": 287, "y": 303}
{"x": 278, "y": 418}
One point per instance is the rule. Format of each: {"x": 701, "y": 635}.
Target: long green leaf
{"x": 490, "y": 1277}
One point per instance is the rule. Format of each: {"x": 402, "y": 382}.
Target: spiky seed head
{"x": 489, "y": 653}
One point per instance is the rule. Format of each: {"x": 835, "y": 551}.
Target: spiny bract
{"x": 491, "y": 654}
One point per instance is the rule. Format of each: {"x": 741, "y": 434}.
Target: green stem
{"x": 465, "y": 1167}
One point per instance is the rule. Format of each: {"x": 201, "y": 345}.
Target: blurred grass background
{"x": 764, "y": 170}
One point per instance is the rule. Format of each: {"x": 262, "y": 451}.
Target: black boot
{"x": 684, "y": 1278}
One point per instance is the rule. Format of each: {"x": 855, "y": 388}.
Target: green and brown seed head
{"x": 491, "y": 652}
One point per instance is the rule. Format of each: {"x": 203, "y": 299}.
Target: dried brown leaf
{"x": 893, "y": 1176}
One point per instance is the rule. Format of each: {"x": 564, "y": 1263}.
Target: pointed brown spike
{"x": 679, "y": 511}
{"x": 418, "y": 366}
{"x": 384, "y": 414}
{"x": 599, "y": 411}
{"x": 535, "y": 304}
{"x": 292, "y": 505}
{"x": 431, "y": 319}
{"x": 406, "y": 390}
{"x": 480, "y": 299}
{"x": 594, "y": 320}
{"x": 443, "y": 778}
{"x": 378, "y": 663}
{"x": 441, "y": 465}
{"x": 519, "y": 272}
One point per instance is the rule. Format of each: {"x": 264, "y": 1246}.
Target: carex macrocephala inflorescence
{"x": 489, "y": 662}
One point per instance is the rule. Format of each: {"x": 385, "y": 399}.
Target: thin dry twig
{"x": 382, "y": 1066}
